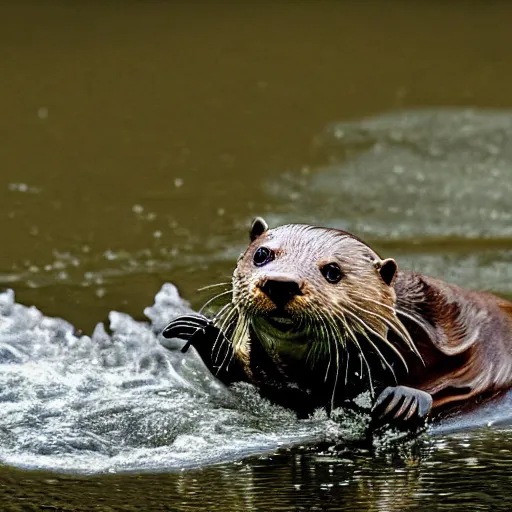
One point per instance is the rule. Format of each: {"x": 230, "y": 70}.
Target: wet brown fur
{"x": 464, "y": 337}
{"x": 467, "y": 346}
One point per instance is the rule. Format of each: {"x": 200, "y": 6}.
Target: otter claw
{"x": 401, "y": 407}
{"x": 189, "y": 328}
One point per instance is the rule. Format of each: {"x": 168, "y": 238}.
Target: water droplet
{"x": 110, "y": 255}
{"x": 42, "y": 113}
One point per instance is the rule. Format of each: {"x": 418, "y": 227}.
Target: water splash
{"x": 117, "y": 401}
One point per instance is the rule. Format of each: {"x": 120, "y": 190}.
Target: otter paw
{"x": 401, "y": 407}
{"x": 190, "y": 328}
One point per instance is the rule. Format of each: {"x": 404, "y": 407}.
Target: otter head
{"x": 313, "y": 285}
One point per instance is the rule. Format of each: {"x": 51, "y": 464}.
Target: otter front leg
{"x": 194, "y": 329}
{"x": 212, "y": 346}
{"x": 401, "y": 407}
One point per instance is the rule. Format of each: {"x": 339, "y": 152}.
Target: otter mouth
{"x": 281, "y": 320}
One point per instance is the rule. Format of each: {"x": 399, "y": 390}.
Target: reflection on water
{"x": 460, "y": 473}
{"x": 137, "y": 142}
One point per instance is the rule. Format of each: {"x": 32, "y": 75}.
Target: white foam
{"x": 117, "y": 401}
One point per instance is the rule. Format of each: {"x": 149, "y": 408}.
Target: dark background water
{"x": 137, "y": 139}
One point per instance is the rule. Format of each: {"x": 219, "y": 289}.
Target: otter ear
{"x": 387, "y": 270}
{"x": 258, "y": 227}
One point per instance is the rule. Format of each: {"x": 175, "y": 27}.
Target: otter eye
{"x": 262, "y": 255}
{"x": 332, "y": 272}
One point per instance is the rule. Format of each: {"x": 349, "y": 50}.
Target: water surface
{"x": 136, "y": 143}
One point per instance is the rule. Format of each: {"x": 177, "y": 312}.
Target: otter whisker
{"x": 224, "y": 316}
{"x": 317, "y": 329}
{"x": 331, "y": 337}
{"x": 335, "y": 330}
{"x": 345, "y": 345}
{"x": 336, "y": 377}
{"x": 328, "y": 339}
{"x": 399, "y": 311}
{"x": 228, "y": 317}
{"x": 364, "y": 329}
{"x": 397, "y": 327}
{"x": 229, "y": 348}
{"x": 220, "y": 313}
{"x": 346, "y": 327}
{"x": 381, "y": 355}
{"x": 379, "y": 303}
{"x": 324, "y": 333}
{"x": 220, "y": 316}
{"x": 358, "y": 345}
{"x": 377, "y": 315}
{"x": 378, "y": 335}
{"x": 338, "y": 335}
{"x": 213, "y": 286}
{"x": 236, "y": 337}
{"x": 329, "y": 361}
{"x": 418, "y": 321}
{"x": 312, "y": 328}
{"x": 240, "y": 335}
{"x": 343, "y": 320}
{"x": 205, "y": 305}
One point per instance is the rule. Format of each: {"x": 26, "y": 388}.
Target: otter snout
{"x": 280, "y": 290}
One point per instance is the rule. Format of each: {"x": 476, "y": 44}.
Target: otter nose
{"x": 280, "y": 292}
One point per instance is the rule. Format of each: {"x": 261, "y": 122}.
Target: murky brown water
{"x": 137, "y": 140}
{"x": 297, "y": 482}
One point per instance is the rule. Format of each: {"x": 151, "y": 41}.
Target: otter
{"x": 318, "y": 317}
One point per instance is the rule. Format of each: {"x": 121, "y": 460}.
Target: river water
{"x": 137, "y": 141}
